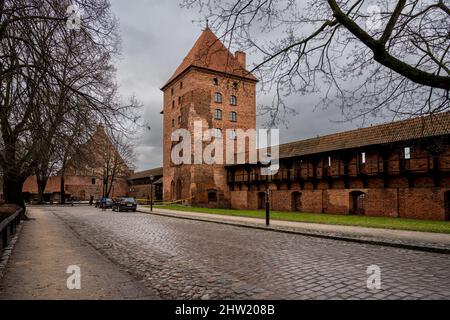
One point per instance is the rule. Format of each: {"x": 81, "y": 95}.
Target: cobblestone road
{"x": 191, "y": 259}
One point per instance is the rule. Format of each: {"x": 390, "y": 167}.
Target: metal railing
{"x": 10, "y": 223}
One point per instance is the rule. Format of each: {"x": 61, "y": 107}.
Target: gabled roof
{"x": 210, "y": 53}
{"x": 405, "y": 130}
{"x": 146, "y": 174}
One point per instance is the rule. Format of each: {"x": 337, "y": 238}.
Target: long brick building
{"x": 85, "y": 176}
{"x": 399, "y": 169}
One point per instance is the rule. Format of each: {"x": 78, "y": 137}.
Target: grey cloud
{"x": 156, "y": 35}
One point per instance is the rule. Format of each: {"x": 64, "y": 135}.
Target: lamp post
{"x": 151, "y": 193}
{"x": 267, "y": 205}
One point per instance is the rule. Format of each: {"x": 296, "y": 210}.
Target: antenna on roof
{"x": 207, "y": 23}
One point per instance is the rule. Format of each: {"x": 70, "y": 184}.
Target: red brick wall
{"x": 415, "y": 203}
{"x": 197, "y": 103}
{"x": 80, "y": 187}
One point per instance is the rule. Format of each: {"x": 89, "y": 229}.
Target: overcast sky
{"x": 156, "y": 36}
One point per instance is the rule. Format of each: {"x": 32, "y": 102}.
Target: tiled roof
{"x": 147, "y": 173}
{"x": 411, "y": 129}
{"x": 210, "y": 53}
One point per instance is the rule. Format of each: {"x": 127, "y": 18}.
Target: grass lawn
{"x": 362, "y": 221}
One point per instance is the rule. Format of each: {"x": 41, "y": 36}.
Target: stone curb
{"x": 323, "y": 235}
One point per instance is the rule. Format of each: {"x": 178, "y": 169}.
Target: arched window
{"x": 179, "y": 189}
{"x": 218, "y": 133}
{"x": 218, "y": 97}
{"x": 233, "y": 116}
{"x": 173, "y": 103}
{"x": 215, "y": 81}
{"x": 233, "y": 100}
{"x": 218, "y": 114}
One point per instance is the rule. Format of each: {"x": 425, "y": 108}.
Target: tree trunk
{"x": 12, "y": 189}
{"x": 63, "y": 195}
{"x": 42, "y": 183}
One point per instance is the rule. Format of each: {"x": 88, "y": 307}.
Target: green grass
{"x": 362, "y": 221}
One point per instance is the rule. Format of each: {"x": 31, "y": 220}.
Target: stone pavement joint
{"x": 413, "y": 240}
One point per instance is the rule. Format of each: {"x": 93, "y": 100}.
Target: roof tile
{"x": 210, "y": 53}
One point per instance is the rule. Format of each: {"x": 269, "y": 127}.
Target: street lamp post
{"x": 267, "y": 206}
{"x": 151, "y": 193}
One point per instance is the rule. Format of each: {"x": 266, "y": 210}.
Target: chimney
{"x": 240, "y": 56}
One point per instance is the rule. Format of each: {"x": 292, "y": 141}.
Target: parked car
{"x": 124, "y": 204}
{"x": 107, "y": 203}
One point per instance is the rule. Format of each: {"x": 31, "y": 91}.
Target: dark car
{"x": 107, "y": 203}
{"x": 124, "y": 204}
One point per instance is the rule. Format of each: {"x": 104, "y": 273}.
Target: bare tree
{"x": 55, "y": 83}
{"x": 117, "y": 159}
{"x": 369, "y": 57}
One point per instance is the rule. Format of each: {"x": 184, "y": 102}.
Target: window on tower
{"x": 218, "y": 114}
{"x": 233, "y": 100}
{"x": 233, "y": 116}
{"x": 218, "y": 133}
{"x": 181, "y": 85}
{"x": 232, "y": 134}
{"x": 173, "y": 103}
{"x": 218, "y": 97}
{"x": 215, "y": 81}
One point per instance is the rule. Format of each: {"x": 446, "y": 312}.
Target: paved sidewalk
{"x": 425, "y": 241}
{"x": 38, "y": 264}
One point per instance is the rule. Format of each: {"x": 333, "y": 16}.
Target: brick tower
{"x": 212, "y": 86}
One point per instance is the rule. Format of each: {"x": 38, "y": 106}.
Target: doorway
{"x": 357, "y": 202}
{"x": 296, "y": 201}
{"x": 447, "y": 205}
{"x": 261, "y": 200}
